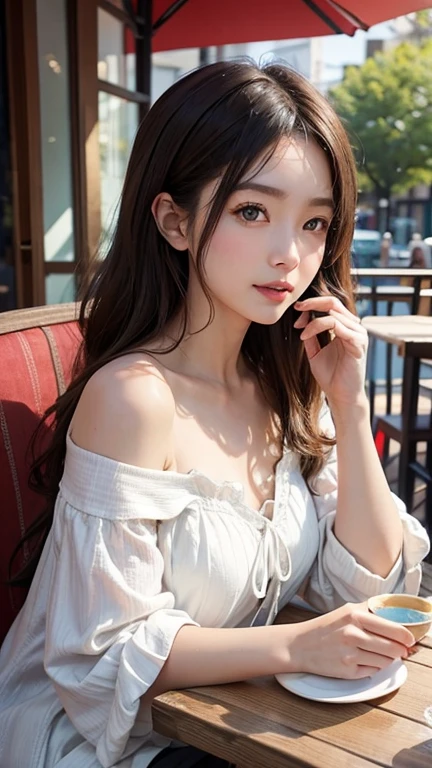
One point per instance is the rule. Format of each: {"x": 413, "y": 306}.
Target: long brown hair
{"x": 212, "y": 124}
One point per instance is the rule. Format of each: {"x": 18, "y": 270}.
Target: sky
{"x": 340, "y": 50}
{"x": 337, "y": 51}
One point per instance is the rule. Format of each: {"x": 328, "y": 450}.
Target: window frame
{"x": 31, "y": 269}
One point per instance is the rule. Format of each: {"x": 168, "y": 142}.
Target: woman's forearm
{"x": 348, "y": 642}
{"x": 205, "y": 656}
{"x": 367, "y": 521}
{"x": 201, "y": 656}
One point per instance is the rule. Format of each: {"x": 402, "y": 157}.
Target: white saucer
{"x": 333, "y": 690}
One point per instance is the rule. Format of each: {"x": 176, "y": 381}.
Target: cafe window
{"x": 56, "y": 150}
{"x": 116, "y": 52}
{"x": 120, "y": 104}
{"x": 82, "y": 70}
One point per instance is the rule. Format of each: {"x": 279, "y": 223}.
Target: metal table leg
{"x": 410, "y": 388}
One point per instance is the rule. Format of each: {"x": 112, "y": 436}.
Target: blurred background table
{"x": 412, "y": 336}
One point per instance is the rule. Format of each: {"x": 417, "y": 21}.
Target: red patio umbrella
{"x": 202, "y": 23}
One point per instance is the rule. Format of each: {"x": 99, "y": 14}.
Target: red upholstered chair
{"x": 37, "y": 350}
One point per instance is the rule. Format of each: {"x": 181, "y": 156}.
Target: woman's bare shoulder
{"x": 126, "y": 412}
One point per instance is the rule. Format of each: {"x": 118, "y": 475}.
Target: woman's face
{"x": 270, "y": 240}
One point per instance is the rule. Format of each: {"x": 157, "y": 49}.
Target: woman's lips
{"x": 274, "y": 294}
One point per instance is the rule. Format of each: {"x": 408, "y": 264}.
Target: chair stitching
{"x": 31, "y": 367}
{"x": 15, "y": 481}
{"x": 12, "y": 465}
{"x": 58, "y": 369}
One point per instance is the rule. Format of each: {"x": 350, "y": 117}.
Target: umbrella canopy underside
{"x": 203, "y": 23}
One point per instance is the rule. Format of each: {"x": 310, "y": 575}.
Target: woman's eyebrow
{"x": 265, "y": 189}
{"x": 326, "y": 202}
{"x": 280, "y": 194}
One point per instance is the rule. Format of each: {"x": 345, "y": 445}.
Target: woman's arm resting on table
{"x": 348, "y": 643}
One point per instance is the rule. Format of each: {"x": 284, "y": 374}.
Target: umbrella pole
{"x": 204, "y": 57}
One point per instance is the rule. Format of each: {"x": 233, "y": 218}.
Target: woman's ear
{"x": 171, "y": 221}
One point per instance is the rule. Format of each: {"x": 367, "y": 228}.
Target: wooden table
{"x": 412, "y": 334}
{"x": 259, "y": 724}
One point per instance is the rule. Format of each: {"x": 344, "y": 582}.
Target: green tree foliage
{"x": 387, "y": 108}
{"x": 421, "y": 25}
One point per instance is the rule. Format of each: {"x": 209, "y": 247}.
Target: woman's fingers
{"x": 349, "y": 643}
{"x": 303, "y": 320}
{"x": 387, "y": 629}
{"x": 336, "y": 327}
{"x": 327, "y": 307}
{"x": 326, "y": 323}
{"x": 373, "y": 660}
{"x": 325, "y": 304}
{"x": 361, "y": 638}
{"x": 350, "y": 321}
{"x": 366, "y": 653}
{"x": 382, "y": 646}
{"x": 373, "y": 642}
{"x": 312, "y": 347}
{"x": 340, "y": 326}
{"x": 364, "y": 671}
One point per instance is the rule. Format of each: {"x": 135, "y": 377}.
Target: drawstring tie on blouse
{"x": 273, "y": 563}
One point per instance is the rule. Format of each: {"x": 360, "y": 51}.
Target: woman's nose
{"x": 285, "y": 254}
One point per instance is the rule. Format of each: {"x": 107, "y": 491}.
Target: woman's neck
{"x": 212, "y": 353}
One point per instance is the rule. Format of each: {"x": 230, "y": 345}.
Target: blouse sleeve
{"x": 110, "y": 621}
{"x": 336, "y": 577}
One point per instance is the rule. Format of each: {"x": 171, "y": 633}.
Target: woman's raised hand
{"x": 339, "y": 367}
{"x": 348, "y": 643}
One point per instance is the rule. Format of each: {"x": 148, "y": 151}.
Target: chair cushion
{"x": 35, "y": 367}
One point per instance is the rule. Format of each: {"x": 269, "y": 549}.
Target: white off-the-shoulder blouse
{"x": 132, "y": 556}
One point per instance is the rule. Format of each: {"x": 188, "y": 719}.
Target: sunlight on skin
{"x": 275, "y": 229}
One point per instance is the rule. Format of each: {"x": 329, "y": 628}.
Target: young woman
{"x": 192, "y": 473}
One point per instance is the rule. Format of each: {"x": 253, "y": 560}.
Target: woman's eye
{"x": 316, "y": 225}
{"x": 250, "y": 212}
